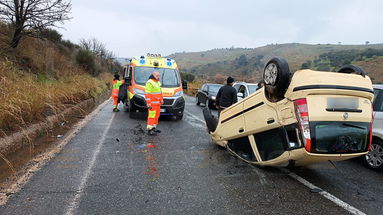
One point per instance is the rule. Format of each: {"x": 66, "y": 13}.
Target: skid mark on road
{"x": 80, "y": 190}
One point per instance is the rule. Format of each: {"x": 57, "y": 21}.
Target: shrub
{"x": 87, "y": 60}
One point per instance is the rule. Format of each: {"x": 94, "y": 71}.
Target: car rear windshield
{"x": 169, "y": 77}
{"x": 339, "y": 137}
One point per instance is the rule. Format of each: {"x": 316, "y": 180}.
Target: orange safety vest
{"x": 153, "y": 93}
{"x": 116, "y": 87}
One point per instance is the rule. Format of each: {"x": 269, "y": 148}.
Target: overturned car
{"x": 300, "y": 119}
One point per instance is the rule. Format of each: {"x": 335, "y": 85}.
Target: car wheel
{"x": 352, "y": 69}
{"x": 211, "y": 121}
{"x": 132, "y": 110}
{"x": 210, "y": 104}
{"x": 207, "y": 104}
{"x": 276, "y": 76}
{"x": 197, "y": 101}
{"x": 374, "y": 158}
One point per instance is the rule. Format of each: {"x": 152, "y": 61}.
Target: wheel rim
{"x": 374, "y": 158}
{"x": 271, "y": 73}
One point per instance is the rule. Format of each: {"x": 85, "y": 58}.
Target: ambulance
{"x": 136, "y": 73}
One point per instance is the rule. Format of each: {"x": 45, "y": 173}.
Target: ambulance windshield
{"x": 169, "y": 77}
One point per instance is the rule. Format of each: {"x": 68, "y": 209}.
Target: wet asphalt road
{"x": 113, "y": 167}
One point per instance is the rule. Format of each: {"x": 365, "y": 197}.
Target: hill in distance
{"x": 248, "y": 64}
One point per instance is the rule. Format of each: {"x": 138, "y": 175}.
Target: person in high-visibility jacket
{"x": 154, "y": 99}
{"x": 116, "y": 83}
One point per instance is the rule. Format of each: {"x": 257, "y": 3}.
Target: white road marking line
{"x": 74, "y": 203}
{"x": 194, "y": 117}
{"x": 325, "y": 194}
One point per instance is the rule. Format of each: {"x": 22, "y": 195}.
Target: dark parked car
{"x": 207, "y": 94}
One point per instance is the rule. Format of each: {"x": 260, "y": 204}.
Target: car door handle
{"x": 241, "y": 130}
{"x": 270, "y": 120}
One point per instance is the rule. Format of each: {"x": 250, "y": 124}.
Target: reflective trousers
{"x": 153, "y": 115}
{"x": 115, "y": 101}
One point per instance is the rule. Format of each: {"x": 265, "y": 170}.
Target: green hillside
{"x": 248, "y": 64}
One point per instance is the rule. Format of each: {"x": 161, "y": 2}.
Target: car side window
{"x": 242, "y": 90}
{"x": 378, "y": 101}
{"x": 236, "y": 87}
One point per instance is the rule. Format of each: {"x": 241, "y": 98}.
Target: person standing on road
{"x": 154, "y": 99}
{"x": 227, "y": 95}
{"x": 116, "y": 83}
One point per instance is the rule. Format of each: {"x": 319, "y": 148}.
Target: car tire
{"x": 179, "y": 117}
{"x": 207, "y": 104}
{"x": 211, "y": 121}
{"x": 352, "y": 69}
{"x": 197, "y": 101}
{"x": 132, "y": 110}
{"x": 276, "y": 76}
{"x": 374, "y": 158}
{"x": 210, "y": 104}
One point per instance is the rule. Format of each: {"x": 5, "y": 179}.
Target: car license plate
{"x": 162, "y": 110}
{"x": 340, "y": 103}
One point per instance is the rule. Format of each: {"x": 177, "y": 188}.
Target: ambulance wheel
{"x": 352, "y": 69}
{"x": 132, "y": 110}
{"x": 276, "y": 76}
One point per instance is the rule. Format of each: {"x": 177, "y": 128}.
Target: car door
{"x": 378, "y": 113}
{"x": 261, "y": 122}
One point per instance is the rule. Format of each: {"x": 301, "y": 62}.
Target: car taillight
{"x": 372, "y": 121}
{"x": 303, "y": 118}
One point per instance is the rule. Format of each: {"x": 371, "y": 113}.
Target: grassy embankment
{"x": 41, "y": 78}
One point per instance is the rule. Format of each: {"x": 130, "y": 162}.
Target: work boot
{"x": 151, "y": 132}
{"x": 157, "y": 130}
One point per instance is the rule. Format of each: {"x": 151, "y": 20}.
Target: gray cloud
{"x": 131, "y": 28}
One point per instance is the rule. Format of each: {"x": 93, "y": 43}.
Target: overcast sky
{"x": 134, "y": 28}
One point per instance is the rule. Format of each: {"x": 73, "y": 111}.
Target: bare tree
{"x": 27, "y": 17}
{"x": 96, "y": 47}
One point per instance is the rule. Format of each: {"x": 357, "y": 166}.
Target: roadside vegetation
{"x": 44, "y": 75}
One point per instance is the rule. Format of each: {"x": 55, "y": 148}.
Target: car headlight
{"x": 138, "y": 92}
{"x": 213, "y": 97}
{"x": 178, "y": 94}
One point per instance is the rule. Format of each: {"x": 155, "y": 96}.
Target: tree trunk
{"x": 16, "y": 37}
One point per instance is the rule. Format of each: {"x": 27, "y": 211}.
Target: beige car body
{"x": 256, "y": 114}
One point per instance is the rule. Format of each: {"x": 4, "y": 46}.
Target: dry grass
{"x": 26, "y": 98}
{"x": 193, "y": 87}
